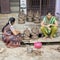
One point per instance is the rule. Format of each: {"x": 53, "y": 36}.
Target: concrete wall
{"x": 14, "y": 5}
{"x": 57, "y": 7}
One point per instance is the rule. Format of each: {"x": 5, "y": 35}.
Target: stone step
{"x": 14, "y": 4}
{"x": 14, "y": 0}
{"x": 14, "y": 9}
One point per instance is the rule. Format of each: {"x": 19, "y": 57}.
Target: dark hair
{"x": 49, "y": 11}
{"x": 11, "y": 20}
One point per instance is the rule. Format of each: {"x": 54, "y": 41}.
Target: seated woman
{"x": 10, "y": 36}
{"x": 49, "y": 25}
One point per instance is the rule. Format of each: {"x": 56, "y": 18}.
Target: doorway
{"x": 33, "y": 5}
{"x": 41, "y": 5}
{"x": 44, "y": 5}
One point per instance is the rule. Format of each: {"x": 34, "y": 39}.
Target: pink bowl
{"x": 37, "y": 45}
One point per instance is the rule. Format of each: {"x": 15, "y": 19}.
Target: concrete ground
{"x": 47, "y": 52}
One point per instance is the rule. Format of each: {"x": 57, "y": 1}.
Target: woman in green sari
{"x": 49, "y": 25}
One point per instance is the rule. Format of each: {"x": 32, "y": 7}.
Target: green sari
{"x": 45, "y": 30}
{"x": 51, "y": 21}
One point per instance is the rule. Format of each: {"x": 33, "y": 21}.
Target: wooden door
{"x": 44, "y": 6}
{"x": 41, "y": 5}
{"x": 52, "y": 4}
{"x": 47, "y": 5}
{"x": 5, "y": 6}
{"x": 0, "y": 6}
{"x": 33, "y": 5}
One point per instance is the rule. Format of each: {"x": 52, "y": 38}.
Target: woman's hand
{"x": 49, "y": 28}
{"x": 50, "y": 25}
{"x": 17, "y": 32}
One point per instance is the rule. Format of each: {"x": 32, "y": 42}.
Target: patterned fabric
{"x": 51, "y": 21}
{"x": 10, "y": 37}
{"x": 51, "y": 33}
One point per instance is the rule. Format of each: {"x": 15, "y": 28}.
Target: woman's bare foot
{"x": 9, "y": 45}
{"x": 51, "y": 37}
{"x": 45, "y": 37}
